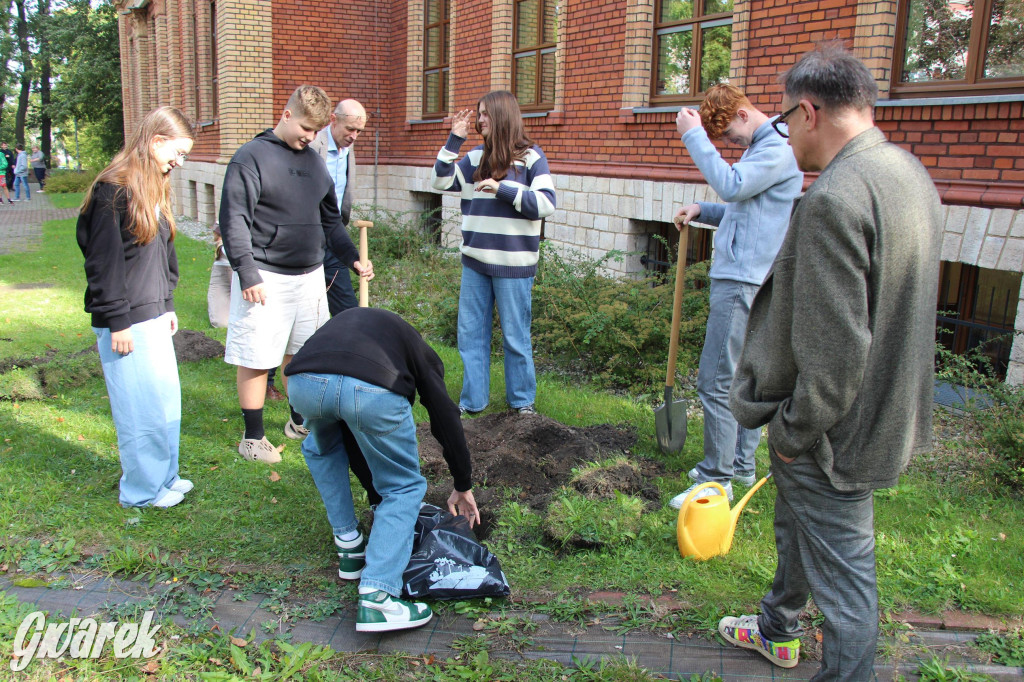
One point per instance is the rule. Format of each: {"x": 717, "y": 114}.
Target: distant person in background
{"x": 38, "y": 162}
{"x": 126, "y": 232}
{"x": 8, "y": 154}
{"x": 21, "y": 174}
{"x": 3, "y": 178}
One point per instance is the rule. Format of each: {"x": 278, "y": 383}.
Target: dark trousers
{"x": 40, "y": 174}
{"x": 826, "y": 545}
{"x": 340, "y": 295}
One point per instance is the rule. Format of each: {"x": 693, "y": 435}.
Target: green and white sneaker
{"x": 380, "y": 612}
{"x": 743, "y": 632}
{"x": 351, "y": 557}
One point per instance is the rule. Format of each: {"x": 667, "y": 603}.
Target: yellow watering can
{"x": 706, "y": 525}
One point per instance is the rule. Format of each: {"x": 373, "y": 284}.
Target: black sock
{"x": 296, "y": 417}
{"x": 253, "y": 423}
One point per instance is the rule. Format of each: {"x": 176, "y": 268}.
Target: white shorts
{"x": 259, "y": 336}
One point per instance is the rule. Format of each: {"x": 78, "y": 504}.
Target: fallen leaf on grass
{"x": 257, "y": 671}
{"x": 81, "y": 437}
{"x": 817, "y": 635}
{"x": 239, "y": 642}
{"x": 60, "y": 419}
{"x": 213, "y": 468}
{"x": 274, "y": 477}
{"x": 480, "y": 624}
{"x": 273, "y": 500}
{"x": 280, "y": 448}
{"x": 1002, "y": 537}
{"x": 216, "y": 661}
{"x": 151, "y": 667}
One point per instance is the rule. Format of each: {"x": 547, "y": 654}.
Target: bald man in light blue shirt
{"x": 334, "y": 144}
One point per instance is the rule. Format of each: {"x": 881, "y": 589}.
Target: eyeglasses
{"x": 780, "y": 125}
{"x": 182, "y": 157}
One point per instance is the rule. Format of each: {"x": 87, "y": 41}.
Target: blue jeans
{"x": 145, "y": 402}
{"x": 825, "y": 539}
{"x": 19, "y": 182}
{"x": 383, "y": 426}
{"x": 728, "y": 447}
{"x": 477, "y": 297}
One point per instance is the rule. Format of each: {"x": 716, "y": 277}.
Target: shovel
{"x": 670, "y": 418}
{"x": 364, "y": 297}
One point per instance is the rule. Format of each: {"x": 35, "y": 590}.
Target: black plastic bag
{"x": 448, "y": 562}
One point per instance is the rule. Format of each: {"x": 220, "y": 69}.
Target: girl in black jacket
{"x": 126, "y": 232}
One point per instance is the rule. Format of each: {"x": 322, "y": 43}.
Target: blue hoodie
{"x": 759, "y": 190}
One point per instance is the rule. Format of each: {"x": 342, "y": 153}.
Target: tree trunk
{"x": 26, "y": 75}
{"x": 45, "y": 121}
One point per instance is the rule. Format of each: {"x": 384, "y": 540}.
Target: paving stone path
{"x": 85, "y": 594}
{"x": 21, "y": 223}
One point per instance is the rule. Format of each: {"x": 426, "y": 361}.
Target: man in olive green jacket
{"x": 838, "y": 360}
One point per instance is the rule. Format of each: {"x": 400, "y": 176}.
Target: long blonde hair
{"x": 138, "y": 177}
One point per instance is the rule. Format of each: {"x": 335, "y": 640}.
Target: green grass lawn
{"x": 942, "y": 544}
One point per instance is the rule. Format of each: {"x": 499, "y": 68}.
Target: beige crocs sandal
{"x": 259, "y": 451}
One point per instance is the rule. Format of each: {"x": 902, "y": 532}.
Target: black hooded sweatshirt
{"x": 278, "y": 211}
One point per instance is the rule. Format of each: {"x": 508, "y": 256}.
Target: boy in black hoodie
{"x": 278, "y": 212}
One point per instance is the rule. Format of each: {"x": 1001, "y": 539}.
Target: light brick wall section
{"x": 163, "y": 68}
{"x": 414, "y": 62}
{"x": 873, "y": 38}
{"x": 245, "y": 64}
{"x": 501, "y": 44}
{"x": 636, "y": 73}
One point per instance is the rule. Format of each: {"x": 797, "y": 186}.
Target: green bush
{"x": 615, "y": 330}
{"x": 63, "y": 181}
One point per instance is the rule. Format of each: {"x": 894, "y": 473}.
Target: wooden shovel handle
{"x": 364, "y": 295}
{"x": 677, "y": 300}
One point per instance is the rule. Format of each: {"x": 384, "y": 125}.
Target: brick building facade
{"x": 600, "y": 84}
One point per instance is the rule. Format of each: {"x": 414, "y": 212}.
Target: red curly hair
{"x": 719, "y": 108}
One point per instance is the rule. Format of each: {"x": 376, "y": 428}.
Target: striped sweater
{"x": 500, "y": 232}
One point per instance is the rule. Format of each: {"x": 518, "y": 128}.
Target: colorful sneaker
{"x": 677, "y": 501}
{"x": 295, "y": 431}
{"x": 742, "y": 631}
{"x": 380, "y": 612}
{"x": 351, "y": 557}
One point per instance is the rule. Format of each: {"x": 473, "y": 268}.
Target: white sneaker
{"x": 380, "y": 612}
{"x": 182, "y": 485}
{"x": 677, "y": 501}
{"x": 168, "y": 499}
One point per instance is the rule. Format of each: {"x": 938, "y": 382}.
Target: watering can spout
{"x": 735, "y": 513}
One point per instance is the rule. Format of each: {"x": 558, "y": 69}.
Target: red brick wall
{"x": 975, "y": 153}
{"x": 338, "y": 46}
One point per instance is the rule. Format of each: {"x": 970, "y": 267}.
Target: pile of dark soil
{"x": 534, "y": 455}
{"x": 192, "y": 346}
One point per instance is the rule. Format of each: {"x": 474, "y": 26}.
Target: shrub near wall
{"x": 615, "y": 330}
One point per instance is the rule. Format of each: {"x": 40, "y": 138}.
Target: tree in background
{"x": 85, "y": 51}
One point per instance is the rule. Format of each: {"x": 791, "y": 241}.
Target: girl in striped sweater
{"x": 506, "y": 192}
